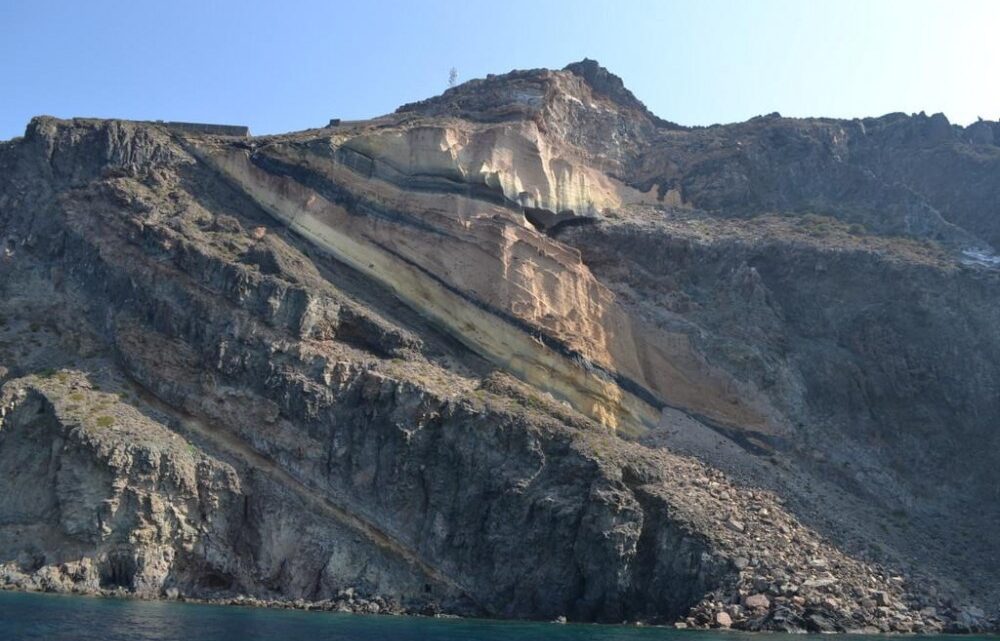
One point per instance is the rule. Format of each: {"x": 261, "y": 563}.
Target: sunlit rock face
{"x": 514, "y": 162}
{"x": 460, "y": 249}
{"x": 523, "y": 349}
{"x": 486, "y": 175}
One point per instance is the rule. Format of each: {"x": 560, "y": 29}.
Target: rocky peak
{"x": 528, "y": 94}
{"x": 606, "y": 84}
{"x": 584, "y": 110}
{"x": 511, "y": 96}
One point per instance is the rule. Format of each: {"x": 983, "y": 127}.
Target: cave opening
{"x": 118, "y": 571}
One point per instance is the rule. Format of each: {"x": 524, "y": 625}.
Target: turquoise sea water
{"x": 69, "y": 618}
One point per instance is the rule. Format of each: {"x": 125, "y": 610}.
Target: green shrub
{"x": 105, "y": 421}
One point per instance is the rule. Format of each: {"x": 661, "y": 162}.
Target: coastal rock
{"x": 522, "y": 350}
{"x": 756, "y": 602}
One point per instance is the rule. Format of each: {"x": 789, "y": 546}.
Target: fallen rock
{"x": 819, "y": 623}
{"x": 735, "y": 525}
{"x": 756, "y": 602}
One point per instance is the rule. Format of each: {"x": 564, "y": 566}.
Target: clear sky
{"x": 282, "y": 66}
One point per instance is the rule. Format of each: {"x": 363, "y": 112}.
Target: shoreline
{"x": 378, "y": 606}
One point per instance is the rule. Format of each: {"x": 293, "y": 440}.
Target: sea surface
{"x": 77, "y": 618}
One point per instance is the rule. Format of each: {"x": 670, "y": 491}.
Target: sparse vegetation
{"x": 104, "y": 421}
{"x": 817, "y": 225}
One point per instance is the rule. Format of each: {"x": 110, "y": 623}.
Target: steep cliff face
{"x": 489, "y": 354}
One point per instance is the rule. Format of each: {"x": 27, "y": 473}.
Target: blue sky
{"x": 291, "y": 65}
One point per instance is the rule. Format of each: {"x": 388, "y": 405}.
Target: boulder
{"x": 756, "y": 602}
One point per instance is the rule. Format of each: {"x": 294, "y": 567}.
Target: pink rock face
{"x": 464, "y": 189}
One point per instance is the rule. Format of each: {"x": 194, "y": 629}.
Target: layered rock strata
{"x": 520, "y": 350}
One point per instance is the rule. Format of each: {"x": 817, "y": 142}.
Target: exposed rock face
{"x": 520, "y": 350}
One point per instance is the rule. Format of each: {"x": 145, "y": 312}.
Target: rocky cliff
{"x": 521, "y": 350}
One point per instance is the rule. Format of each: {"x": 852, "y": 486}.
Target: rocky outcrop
{"x": 851, "y": 377}
{"x": 529, "y": 305}
{"x": 521, "y": 350}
